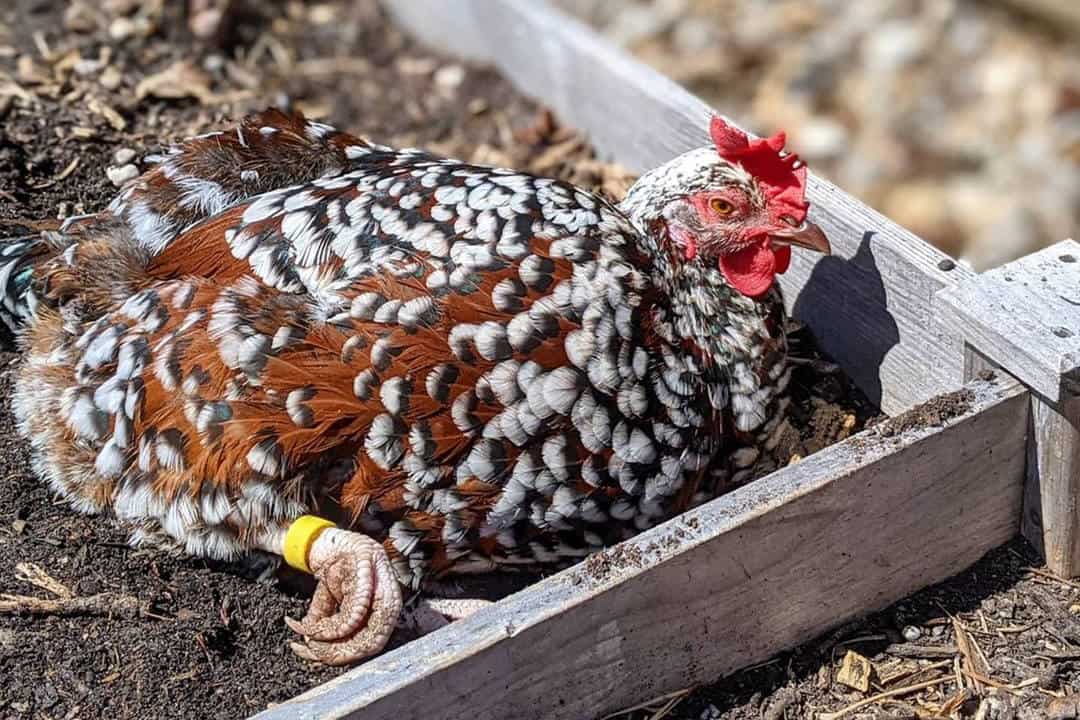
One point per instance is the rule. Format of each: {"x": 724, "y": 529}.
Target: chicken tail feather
{"x": 18, "y": 258}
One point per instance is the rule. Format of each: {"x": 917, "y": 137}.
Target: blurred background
{"x": 959, "y": 119}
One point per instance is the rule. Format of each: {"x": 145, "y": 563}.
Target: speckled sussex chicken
{"x": 387, "y": 366}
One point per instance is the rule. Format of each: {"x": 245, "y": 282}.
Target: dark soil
{"x": 340, "y": 62}
{"x": 933, "y": 413}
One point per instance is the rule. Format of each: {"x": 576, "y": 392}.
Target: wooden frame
{"x": 1025, "y": 317}
{"x": 844, "y": 532}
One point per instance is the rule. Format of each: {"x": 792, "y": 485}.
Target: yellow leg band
{"x": 299, "y": 538}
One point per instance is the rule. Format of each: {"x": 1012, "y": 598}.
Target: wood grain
{"x": 869, "y": 305}
{"x": 1052, "y": 496}
{"x": 844, "y": 532}
{"x": 1025, "y": 318}
{"x": 1025, "y": 315}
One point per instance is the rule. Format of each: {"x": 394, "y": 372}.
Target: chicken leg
{"x": 357, "y": 601}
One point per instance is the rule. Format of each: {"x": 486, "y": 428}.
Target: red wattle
{"x": 752, "y": 271}
{"x": 783, "y": 259}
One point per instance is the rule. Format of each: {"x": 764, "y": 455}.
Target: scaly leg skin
{"x": 356, "y": 604}
{"x": 431, "y": 614}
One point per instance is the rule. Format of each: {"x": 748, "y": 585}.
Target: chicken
{"x": 388, "y": 366}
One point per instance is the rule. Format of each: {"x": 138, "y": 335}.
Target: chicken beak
{"x": 808, "y": 235}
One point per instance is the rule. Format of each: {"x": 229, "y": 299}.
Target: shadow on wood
{"x": 835, "y": 283}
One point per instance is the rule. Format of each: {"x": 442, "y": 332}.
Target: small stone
{"x": 477, "y": 106}
{"x": 449, "y": 77}
{"x": 911, "y": 633}
{"x": 711, "y": 712}
{"x": 822, "y": 137}
{"x": 206, "y": 22}
{"x": 855, "y": 672}
{"x": 1067, "y": 258}
{"x": 110, "y": 78}
{"x": 637, "y": 22}
{"x": 86, "y": 67}
{"x": 694, "y": 34}
{"x": 123, "y": 156}
{"x": 946, "y": 265}
{"x": 322, "y": 14}
{"x": 214, "y": 63}
{"x": 894, "y": 44}
{"x": 121, "y": 28}
{"x": 79, "y": 18}
{"x": 120, "y": 175}
{"x": 18, "y": 526}
{"x": 1062, "y": 332}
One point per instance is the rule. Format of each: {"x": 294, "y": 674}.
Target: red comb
{"x": 784, "y": 183}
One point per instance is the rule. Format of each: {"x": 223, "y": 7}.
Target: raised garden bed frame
{"x": 846, "y": 531}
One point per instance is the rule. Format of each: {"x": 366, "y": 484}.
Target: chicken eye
{"x": 721, "y": 207}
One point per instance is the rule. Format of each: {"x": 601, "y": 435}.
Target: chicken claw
{"x": 430, "y": 614}
{"x": 356, "y": 604}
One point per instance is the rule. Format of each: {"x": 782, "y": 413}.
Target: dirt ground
{"x": 81, "y": 85}
{"x": 1000, "y": 641}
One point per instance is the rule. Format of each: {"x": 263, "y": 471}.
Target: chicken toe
{"x": 430, "y": 614}
{"x": 356, "y": 603}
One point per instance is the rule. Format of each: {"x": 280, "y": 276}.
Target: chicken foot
{"x": 357, "y": 601}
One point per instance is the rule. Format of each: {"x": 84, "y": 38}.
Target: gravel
{"x": 957, "y": 118}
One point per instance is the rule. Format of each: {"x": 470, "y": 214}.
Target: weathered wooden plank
{"x": 842, "y": 533}
{"x": 1025, "y": 318}
{"x": 1052, "y": 497}
{"x": 1051, "y": 511}
{"x": 870, "y": 305}
{"x": 1025, "y": 315}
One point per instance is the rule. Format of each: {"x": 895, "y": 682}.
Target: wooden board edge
{"x": 869, "y": 305}
{"x": 1052, "y": 496}
{"x": 845, "y": 532}
{"x": 1019, "y": 317}
{"x": 1022, "y": 316}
